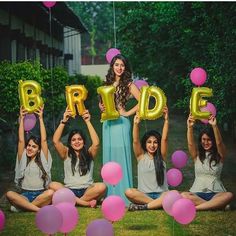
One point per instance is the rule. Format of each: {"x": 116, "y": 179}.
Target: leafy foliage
{"x": 53, "y": 84}
{"x": 98, "y": 18}
{"x": 166, "y": 40}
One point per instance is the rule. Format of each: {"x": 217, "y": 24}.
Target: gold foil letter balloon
{"x": 197, "y": 102}
{"x": 75, "y": 96}
{"x": 160, "y": 102}
{"x": 107, "y": 94}
{"x": 30, "y": 95}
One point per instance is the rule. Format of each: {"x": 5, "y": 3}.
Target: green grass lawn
{"x": 143, "y": 223}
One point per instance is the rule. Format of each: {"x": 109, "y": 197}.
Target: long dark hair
{"x": 38, "y": 161}
{"x": 84, "y": 156}
{"x": 214, "y": 155}
{"x": 158, "y": 160}
{"x": 122, "y": 93}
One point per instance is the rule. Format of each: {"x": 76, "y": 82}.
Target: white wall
{"x": 72, "y": 45}
{"x": 100, "y": 70}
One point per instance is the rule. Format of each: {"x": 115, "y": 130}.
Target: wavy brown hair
{"x": 38, "y": 161}
{"x": 214, "y": 155}
{"x": 122, "y": 90}
{"x": 158, "y": 159}
{"x": 84, "y": 156}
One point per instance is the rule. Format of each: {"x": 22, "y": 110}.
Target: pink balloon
{"x": 2, "y": 220}
{"x": 70, "y": 216}
{"x": 184, "y": 211}
{"x": 209, "y": 107}
{"x": 169, "y": 199}
{"x": 179, "y": 159}
{"x": 174, "y": 177}
{"x": 198, "y": 76}
{"x": 49, "y": 4}
{"x": 140, "y": 83}
{"x": 112, "y": 173}
{"x": 112, "y": 52}
{"x": 48, "y": 219}
{"x": 63, "y": 195}
{"x": 29, "y": 122}
{"x": 100, "y": 227}
{"x": 113, "y": 208}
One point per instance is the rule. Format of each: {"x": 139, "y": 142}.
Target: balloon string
{"x": 51, "y": 61}
{"x": 173, "y": 227}
{"x": 114, "y": 22}
{"x": 113, "y": 189}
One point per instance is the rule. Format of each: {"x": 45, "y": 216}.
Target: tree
{"x": 97, "y": 17}
{"x": 166, "y": 40}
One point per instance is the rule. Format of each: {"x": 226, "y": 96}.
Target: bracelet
{"x": 63, "y": 122}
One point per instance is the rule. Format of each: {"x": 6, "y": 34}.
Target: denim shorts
{"x": 205, "y": 196}
{"x": 78, "y": 192}
{"x": 153, "y": 195}
{"x": 31, "y": 195}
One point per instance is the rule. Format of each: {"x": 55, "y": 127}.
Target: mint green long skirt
{"x": 117, "y": 147}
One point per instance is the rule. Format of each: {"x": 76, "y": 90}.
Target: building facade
{"x": 31, "y": 31}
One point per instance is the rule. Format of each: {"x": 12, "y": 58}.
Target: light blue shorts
{"x": 153, "y": 195}
{"x": 31, "y": 195}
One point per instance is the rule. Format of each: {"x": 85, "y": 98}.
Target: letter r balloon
{"x": 75, "y": 97}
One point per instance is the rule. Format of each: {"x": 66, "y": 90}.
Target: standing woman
{"x": 116, "y": 133}
{"x": 33, "y": 167}
{"x": 78, "y": 162}
{"x": 207, "y": 192}
{"x": 151, "y": 156}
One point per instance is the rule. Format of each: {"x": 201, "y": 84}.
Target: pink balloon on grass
{"x": 174, "y": 177}
{"x": 2, "y": 220}
{"x": 70, "y": 216}
{"x": 29, "y": 122}
{"x": 198, "y": 76}
{"x": 100, "y": 227}
{"x": 140, "y": 83}
{"x": 179, "y": 159}
{"x": 169, "y": 199}
{"x": 49, "y": 219}
{"x": 112, "y": 173}
{"x": 210, "y": 108}
{"x": 49, "y": 4}
{"x": 184, "y": 211}
{"x": 113, "y": 208}
{"x": 63, "y": 195}
{"x": 112, "y": 52}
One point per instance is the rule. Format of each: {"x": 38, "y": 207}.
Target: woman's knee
{"x": 55, "y": 186}
{"x": 229, "y": 196}
{"x": 187, "y": 195}
{"x": 48, "y": 193}
{"x": 10, "y": 195}
{"x": 130, "y": 192}
{"x": 101, "y": 188}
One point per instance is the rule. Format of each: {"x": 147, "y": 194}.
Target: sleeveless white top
{"x": 147, "y": 182}
{"x": 207, "y": 179}
{"x": 32, "y": 174}
{"x": 76, "y": 181}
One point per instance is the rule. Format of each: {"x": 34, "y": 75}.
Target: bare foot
{"x": 93, "y": 203}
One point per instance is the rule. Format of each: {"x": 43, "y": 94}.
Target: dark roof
{"x": 67, "y": 17}
{"x": 60, "y": 13}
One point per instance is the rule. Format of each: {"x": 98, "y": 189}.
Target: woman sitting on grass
{"x": 207, "y": 192}
{"x": 33, "y": 167}
{"x": 150, "y": 154}
{"x": 78, "y": 162}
